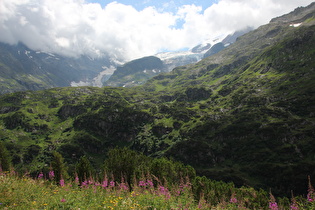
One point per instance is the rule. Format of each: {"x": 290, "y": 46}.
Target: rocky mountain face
{"x": 233, "y": 37}
{"x": 24, "y": 69}
{"x": 139, "y": 71}
{"x": 135, "y": 72}
{"x": 230, "y": 39}
{"x": 214, "y": 49}
{"x": 245, "y": 114}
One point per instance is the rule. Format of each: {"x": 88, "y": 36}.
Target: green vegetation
{"x": 132, "y": 181}
{"x": 245, "y": 115}
{"x": 5, "y": 159}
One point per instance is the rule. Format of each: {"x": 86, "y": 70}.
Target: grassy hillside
{"x": 244, "y": 115}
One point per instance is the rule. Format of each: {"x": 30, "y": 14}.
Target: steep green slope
{"x": 257, "y": 126}
{"x": 245, "y": 115}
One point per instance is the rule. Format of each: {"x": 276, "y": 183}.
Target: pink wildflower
{"x": 84, "y": 184}
{"x": 142, "y": 184}
{"x": 62, "y": 182}
{"x": 51, "y": 174}
{"x": 105, "y": 183}
{"x": 202, "y": 202}
{"x": 273, "y": 204}
{"x": 150, "y": 183}
{"x": 294, "y": 205}
{"x": 40, "y": 175}
{"x": 146, "y": 183}
{"x": 164, "y": 191}
{"x": 63, "y": 200}
{"x": 233, "y": 200}
{"x": 76, "y": 180}
{"x": 123, "y": 186}
{"x": 112, "y": 183}
{"x": 311, "y": 192}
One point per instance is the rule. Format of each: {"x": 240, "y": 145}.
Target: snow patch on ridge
{"x": 98, "y": 80}
{"x": 170, "y": 55}
{"x": 295, "y": 24}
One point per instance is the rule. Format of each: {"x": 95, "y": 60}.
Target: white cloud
{"x": 74, "y": 27}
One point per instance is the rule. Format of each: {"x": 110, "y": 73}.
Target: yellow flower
{"x": 45, "y": 204}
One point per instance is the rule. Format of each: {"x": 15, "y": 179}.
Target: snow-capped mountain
{"x": 174, "y": 59}
{"x": 129, "y": 74}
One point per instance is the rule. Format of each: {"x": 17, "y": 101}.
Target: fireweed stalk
{"x": 272, "y": 203}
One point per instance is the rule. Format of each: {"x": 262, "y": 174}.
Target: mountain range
{"x": 130, "y": 75}
{"x": 245, "y": 114}
{"x": 22, "y": 68}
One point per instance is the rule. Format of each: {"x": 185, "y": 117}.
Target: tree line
{"x": 130, "y": 167}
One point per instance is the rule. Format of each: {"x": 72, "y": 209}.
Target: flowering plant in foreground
{"x": 311, "y": 193}
{"x": 273, "y": 204}
{"x": 51, "y": 174}
{"x": 91, "y": 194}
{"x": 40, "y": 175}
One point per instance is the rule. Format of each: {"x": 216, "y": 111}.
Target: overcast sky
{"x": 130, "y": 29}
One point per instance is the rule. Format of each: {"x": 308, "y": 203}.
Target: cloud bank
{"x": 75, "y": 27}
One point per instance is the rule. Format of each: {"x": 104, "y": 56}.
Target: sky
{"x": 130, "y": 29}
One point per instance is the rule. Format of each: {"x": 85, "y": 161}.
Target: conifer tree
{"x": 83, "y": 169}
{"x": 124, "y": 163}
{"x": 59, "y": 167}
{"x": 5, "y": 159}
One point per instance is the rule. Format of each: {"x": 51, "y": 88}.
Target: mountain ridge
{"x": 24, "y": 69}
